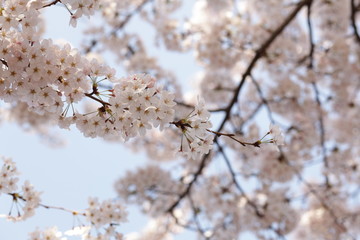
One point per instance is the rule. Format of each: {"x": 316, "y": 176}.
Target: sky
{"x": 68, "y": 175}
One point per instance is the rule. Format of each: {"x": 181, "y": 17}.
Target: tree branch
{"x": 192, "y": 107}
{"x": 322, "y": 132}
{"x": 236, "y": 183}
{"x": 51, "y": 3}
{"x": 188, "y": 188}
{"x": 353, "y": 20}
{"x": 260, "y": 53}
{"x": 96, "y": 99}
{"x": 121, "y": 25}
{"x": 311, "y": 36}
{"x": 263, "y": 99}
{"x": 328, "y": 208}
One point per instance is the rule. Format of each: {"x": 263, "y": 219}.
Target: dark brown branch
{"x": 278, "y": 232}
{"x": 97, "y": 99}
{"x": 186, "y": 226}
{"x": 192, "y": 107}
{"x": 328, "y": 208}
{"x": 232, "y": 136}
{"x": 130, "y": 15}
{"x": 354, "y": 9}
{"x": 4, "y": 63}
{"x": 236, "y": 183}
{"x": 260, "y": 53}
{"x": 263, "y": 99}
{"x": 251, "y": 116}
{"x": 221, "y": 134}
{"x": 322, "y": 131}
{"x": 196, "y": 218}
{"x": 51, "y": 3}
{"x": 242, "y": 192}
{"x": 121, "y": 25}
{"x": 311, "y": 36}
{"x": 189, "y": 186}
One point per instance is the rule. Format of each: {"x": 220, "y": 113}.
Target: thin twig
{"x": 236, "y": 183}
{"x": 251, "y": 116}
{"x": 263, "y": 99}
{"x": 62, "y": 209}
{"x": 353, "y": 20}
{"x": 196, "y": 219}
{"x": 121, "y": 25}
{"x": 316, "y": 91}
{"x": 311, "y": 36}
{"x": 322, "y": 132}
{"x": 328, "y": 208}
{"x": 192, "y": 107}
{"x": 189, "y": 186}
{"x": 73, "y": 212}
{"x": 96, "y": 99}
{"x": 130, "y": 15}
{"x": 186, "y": 226}
{"x": 259, "y": 53}
{"x": 4, "y": 63}
{"x": 51, "y": 3}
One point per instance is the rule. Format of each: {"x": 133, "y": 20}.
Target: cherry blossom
{"x": 26, "y": 200}
{"x": 217, "y": 171}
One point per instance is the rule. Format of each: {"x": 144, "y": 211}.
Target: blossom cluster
{"x": 106, "y": 212}
{"x": 48, "y": 234}
{"x": 215, "y": 86}
{"x": 107, "y": 215}
{"x": 8, "y": 176}
{"x": 103, "y": 218}
{"x": 82, "y": 7}
{"x": 9, "y": 185}
{"x": 196, "y": 139}
{"x": 150, "y": 187}
{"x": 51, "y": 79}
{"x": 134, "y": 106}
{"x": 158, "y": 228}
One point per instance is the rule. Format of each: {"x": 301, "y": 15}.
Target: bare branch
{"x": 51, "y": 3}
{"x": 260, "y": 53}
{"x": 311, "y": 36}
{"x": 97, "y": 99}
{"x": 354, "y": 9}
{"x": 322, "y": 131}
